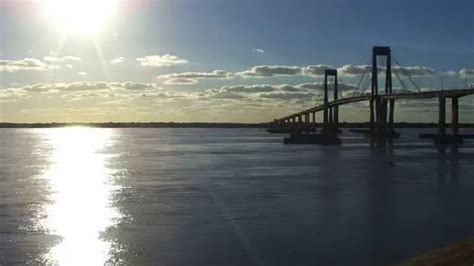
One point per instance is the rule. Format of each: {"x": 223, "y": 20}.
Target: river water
{"x": 84, "y": 196}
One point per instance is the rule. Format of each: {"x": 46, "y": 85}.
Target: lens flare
{"x": 80, "y": 17}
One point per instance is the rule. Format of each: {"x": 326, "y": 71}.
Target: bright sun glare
{"x": 80, "y": 17}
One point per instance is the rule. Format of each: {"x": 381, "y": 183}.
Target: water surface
{"x": 83, "y": 196}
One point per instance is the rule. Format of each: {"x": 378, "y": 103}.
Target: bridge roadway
{"x": 367, "y": 97}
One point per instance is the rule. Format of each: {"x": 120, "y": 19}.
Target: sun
{"x": 80, "y": 17}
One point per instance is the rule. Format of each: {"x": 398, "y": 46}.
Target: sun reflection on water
{"x": 80, "y": 200}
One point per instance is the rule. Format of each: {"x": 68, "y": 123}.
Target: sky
{"x": 222, "y": 60}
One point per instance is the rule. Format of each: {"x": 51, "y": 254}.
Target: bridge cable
{"x": 403, "y": 70}
{"x": 402, "y": 83}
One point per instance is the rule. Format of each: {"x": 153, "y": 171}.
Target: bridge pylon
{"x": 331, "y": 114}
{"x": 382, "y": 110}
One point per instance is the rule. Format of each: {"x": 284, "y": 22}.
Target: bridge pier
{"x": 442, "y": 137}
{"x": 442, "y": 116}
{"x": 308, "y": 125}
{"x": 455, "y": 115}
{"x": 372, "y": 113}
{"x": 391, "y": 115}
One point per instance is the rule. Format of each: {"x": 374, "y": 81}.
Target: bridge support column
{"x": 314, "y": 120}
{"x": 336, "y": 96}
{"x": 391, "y": 115}
{"x": 455, "y": 115}
{"x": 442, "y": 138}
{"x": 331, "y": 115}
{"x": 442, "y": 116}
{"x": 326, "y": 101}
{"x": 308, "y": 124}
{"x": 372, "y": 114}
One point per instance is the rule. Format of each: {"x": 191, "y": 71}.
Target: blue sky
{"x": 229, "y": 35}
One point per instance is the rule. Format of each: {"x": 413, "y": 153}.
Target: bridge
{"x": 302, "y": 124}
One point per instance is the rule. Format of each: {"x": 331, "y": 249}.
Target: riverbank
{"x": 460, "y": 254}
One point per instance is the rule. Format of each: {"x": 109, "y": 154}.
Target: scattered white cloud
{"x": 82, "y": 73}
{"x": 117, "y": 60}
{"x": 413, "y": 71}
{"x": 180, "y": 81}
{"x": 354, "y": 70}
{"x": 270, "y": 71}
{"x": 89, "y": 86}
{"x": 308, "y": 91}
{"x": 161, "y": 60}
{"x": 316, "y": 70}
{"x": 63, "y": 59}
{"x": 261, "y": 102}
{"x": 216, "y": 74}
{"x": 466, "y": 73}
{"x": 27, "y": 64}
{"x": 258, "y": 50}
{"x": 416, "y": 71}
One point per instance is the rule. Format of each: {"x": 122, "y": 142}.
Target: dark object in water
{"x": 447, "y": 139}
{"x": 322, "y": 139}
{"x": 331, "y": 131}
{"x": 360, "y": 131}
{"x": 384, "y": 135}
{"x": 391, "y": 134}
{"x": 278, "y": 130}
{"x": 434, "y": 136}
{"x": 286, "y": 130}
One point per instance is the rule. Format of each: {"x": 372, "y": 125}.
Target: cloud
{"x": 466, "y": 73}
{"x": 180, "y": 81}
{"x": 318, "y": 86}
{"x": 308, "y": 91}
{"x": 353, "y": 70}
{"x": 414, "y": 71}
{"x": 27, "y": 64}
{"x": 270, "y": 71}
{"x": 161, "y": 60}
{"x": 258, "y": 50}
{"x": 450, "y": 73}
{"x": 316, "y": 70}
{"x": 289, "y": 95}
{"x": 82, "y": 73}
{"x": 89, "y": 86}
{"x": 216, "y": 74}
{"x": 63, "y": 59}
{"x": 248, "y": 88}
{"x": 117, "y": 60}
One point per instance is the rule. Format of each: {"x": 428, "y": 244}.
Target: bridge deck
{"x": 414, "y": 95}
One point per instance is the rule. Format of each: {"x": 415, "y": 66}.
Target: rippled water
{"x": 82, "y": 196}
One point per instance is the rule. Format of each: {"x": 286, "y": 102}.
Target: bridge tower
{"x": 378, "y": 107}
{"x": 331, "y": 114}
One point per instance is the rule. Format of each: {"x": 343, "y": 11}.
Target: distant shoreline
{"x": 202, "y": 125}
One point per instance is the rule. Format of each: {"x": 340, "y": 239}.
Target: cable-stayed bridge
{"x": 381, "y": 106}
